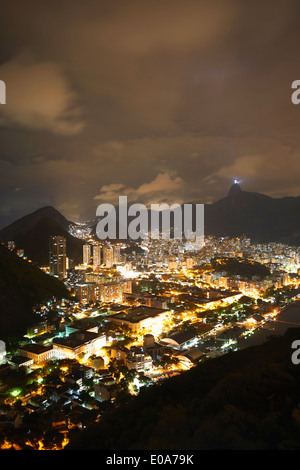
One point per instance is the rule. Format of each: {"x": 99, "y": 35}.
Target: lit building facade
{"x": 111, "y": 292}
{"x": 88, "y": 292}
{"x": 138, "y": 360}
{"x": 78, "y": 343}
{"x": 108, "y": 256}
{"x": 57, "y": 257}
{"x": 86, "y": 254}
{"x": 143, "y": 320}
{"x": 117, "y": 254}
{"x": 96, "y": 256}
{"x": 37, "y": 352}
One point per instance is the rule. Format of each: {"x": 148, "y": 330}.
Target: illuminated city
{"x": 149, "y": 228}
{"x": 139, "y": 313}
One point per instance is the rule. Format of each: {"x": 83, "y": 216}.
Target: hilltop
{"x": 33, "y": 231}
{"x": 260, "y": 217}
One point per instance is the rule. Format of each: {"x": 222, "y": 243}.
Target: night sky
{"x": 162, "y": 101}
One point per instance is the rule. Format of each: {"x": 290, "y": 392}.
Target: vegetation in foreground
{"x": 248, "y": 399}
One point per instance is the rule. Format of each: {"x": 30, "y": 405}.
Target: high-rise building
{"x": 57, "y": 256}
{"x": 117, "y": 254}
{"x": 111, "y": 292}
{"x": 127, "y": 286}
{"x": 86, "y": 254}
{"x": 96, "y": 255}
{"x": 108, "y": 256}
{"x": 87, "y": 292}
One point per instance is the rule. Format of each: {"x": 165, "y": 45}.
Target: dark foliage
{"x": 240, "y": 267}
{"x": 243, "y": 400}
{"x": 22, "y": 285}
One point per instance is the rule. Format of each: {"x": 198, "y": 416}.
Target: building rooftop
{"x": 84, "y": 323}
{"x": 182, "y": 337}
{"x": 35, "y": 348}
{"x": 137, "y": 314}
{"x": 19, "y": 360}
{"x": 76, "y": 339}
{"x": 192, "y": 354}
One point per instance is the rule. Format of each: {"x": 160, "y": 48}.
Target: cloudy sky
{"x": 162, "y": 101}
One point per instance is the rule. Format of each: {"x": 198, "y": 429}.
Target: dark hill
{"x": 33, "y": 231}
{"x": 35, "y": 242}
{"x": 238, "y": 267}
{"x": 28, "y": 222}
{"x": 244, "y": 400}
{"x": 258, "y": 216}
{"x": 22, "y": 285}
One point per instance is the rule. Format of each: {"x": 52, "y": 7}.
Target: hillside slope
{"x": 26, "y": 223}
{"x": 248, "y": 399}
{"x": 32, "y": 233}
{"x": 22, "y": 285}
{"x": 35, "y": 242}
{"x": 260, "y": 217}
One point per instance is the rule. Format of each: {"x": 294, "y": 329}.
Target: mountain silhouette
{"x": 26, "y": 223}
{"x": 32, "y": 233}
{"x": 260, "y": 217}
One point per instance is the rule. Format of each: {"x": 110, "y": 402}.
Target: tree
{"x": 53, "y": 439}
{"x": 144, "y": 379}
{"x": 53, "y": 378}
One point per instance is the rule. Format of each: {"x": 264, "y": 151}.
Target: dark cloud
{"x": 39, "y": 97}
{"x": 163, "y": 100}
